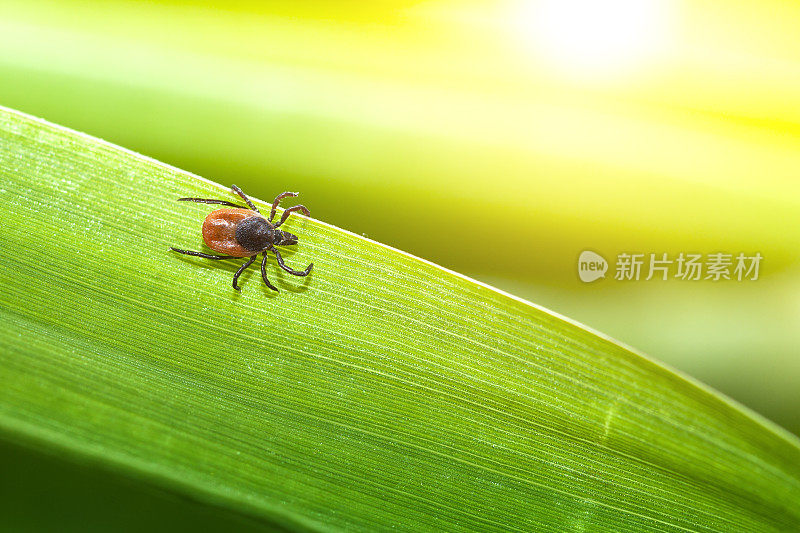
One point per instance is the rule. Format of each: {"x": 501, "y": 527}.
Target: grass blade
{"x": 380, "y": 392}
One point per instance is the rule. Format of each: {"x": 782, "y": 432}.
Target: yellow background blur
{"x": 499, "y": 139}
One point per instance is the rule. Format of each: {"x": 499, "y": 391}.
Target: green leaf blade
{"x": 381, "y": 391}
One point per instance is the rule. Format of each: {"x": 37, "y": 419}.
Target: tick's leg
{"x": 289, "y": 270}
{"x": 201, "y": 254}
{"x": 264, "y": 273}
{"x": 278, "y": 198}
{"x": 241, "y": 269}
{"x": 291, "y": 210}
{"x": 238, "y": 191}
{"x": 208, "y": 201}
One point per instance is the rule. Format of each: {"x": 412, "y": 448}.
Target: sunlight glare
{"x": 590, "y": 38}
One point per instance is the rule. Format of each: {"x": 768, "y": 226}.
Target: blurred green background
{"x": 498, "y": 139}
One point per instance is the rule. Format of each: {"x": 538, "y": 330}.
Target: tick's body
{"x": 240, "y": 232}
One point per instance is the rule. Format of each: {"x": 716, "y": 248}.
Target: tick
{"x": 238, "y": 231}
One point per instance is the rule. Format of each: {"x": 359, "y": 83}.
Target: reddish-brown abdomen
{"x": 219, "y": 231}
